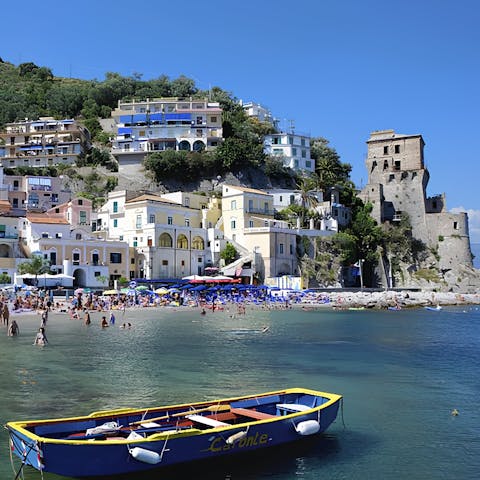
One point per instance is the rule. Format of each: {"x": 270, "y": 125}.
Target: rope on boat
{"x": 341, "y": 409}
{"x": 164, "y": 448}
{"x": 144, "y": 415}
{"x": 11, "y": 457}
{"x": 20, "y": 471}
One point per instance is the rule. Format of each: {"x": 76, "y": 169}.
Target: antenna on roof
{"x": 292, "y": 125}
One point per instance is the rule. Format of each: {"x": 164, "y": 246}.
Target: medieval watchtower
{"x": 397, "y": 184}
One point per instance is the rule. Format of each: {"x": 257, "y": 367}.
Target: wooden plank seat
{"x": 255, "y": 414}
{"x": 292, "y": 407}
{"x": 211, "y": 422}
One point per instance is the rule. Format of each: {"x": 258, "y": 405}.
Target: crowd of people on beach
{"x": 232, "y": 300}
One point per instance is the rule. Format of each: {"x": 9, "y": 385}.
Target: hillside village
{"x": 144, "y": 232}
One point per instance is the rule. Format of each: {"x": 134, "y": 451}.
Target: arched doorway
{"x": 80, "y": 278}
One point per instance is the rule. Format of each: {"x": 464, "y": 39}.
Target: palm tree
{"x": 308, "y": 198}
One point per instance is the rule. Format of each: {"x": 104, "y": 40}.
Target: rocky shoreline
{"x": 388, "y": 299}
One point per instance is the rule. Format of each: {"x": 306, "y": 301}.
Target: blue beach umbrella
{"x": 199, "y": 288}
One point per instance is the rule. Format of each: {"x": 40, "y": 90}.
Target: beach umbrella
{"x": 110, "y": 292}
{"x": 161, "y": 291}
{"x": 173, "y": 290}
{"x": 199, "y": 288}
{"x": 141, "y": 288}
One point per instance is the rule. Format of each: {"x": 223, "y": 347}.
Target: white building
{"x": 154, "y": 125}
{"x": 256, "y": 110}
{"x": 292, "y": 149}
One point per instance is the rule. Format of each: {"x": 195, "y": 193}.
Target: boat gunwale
{"x": 21, "y": 426}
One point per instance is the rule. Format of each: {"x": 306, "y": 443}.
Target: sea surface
{"x": 401, "y": 373}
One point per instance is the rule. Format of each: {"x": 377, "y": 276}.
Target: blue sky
{"x": 338, "y": 68}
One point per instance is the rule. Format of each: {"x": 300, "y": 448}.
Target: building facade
{"x": 91, "y": 261}
{"x": 170, "y": 234}
{"x": 292, "y": 149}
{"x": 155, "y": 125}
{"x": 42, "y": 143}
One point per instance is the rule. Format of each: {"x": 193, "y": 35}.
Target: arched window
{"x": 95, "y": 257}
{"x": 184, "y": 145}
{"x": 198, "y": 146}
{"x": 165, "y": 240}
{"x": 182, "y": 242}
{"x": 198, "y": 243}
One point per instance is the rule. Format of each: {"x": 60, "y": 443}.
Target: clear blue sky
{"x": 338, "y": 68}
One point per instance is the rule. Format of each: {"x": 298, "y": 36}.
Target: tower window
{"x": 385, "y": 150}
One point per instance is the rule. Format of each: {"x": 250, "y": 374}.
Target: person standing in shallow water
{"x": 104, "y": 322}
{"x": 41, "y": 338}
{"x": 86, "y": 318}
{"x": 6, "y": 313}
{"x": 13, "y": 329}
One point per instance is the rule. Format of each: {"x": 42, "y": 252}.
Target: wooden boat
{"x": 125, "y": 441}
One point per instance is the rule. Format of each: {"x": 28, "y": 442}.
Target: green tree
{"x": 368, "y": 237}
{"x": 236, "y": 154}
{"x": 229, "y": 253}
{"x": 399, "y": 246}
{"x": 36, "y": 265}
{"x": 329, "y": 170}
{"x": 5, "y": 278}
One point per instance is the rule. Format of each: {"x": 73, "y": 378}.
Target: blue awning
{"x": 156, "y": 117}
{"x": 67, "y": 122}
{"x": 137, "y": 118}
{"x": 140, "y": 117}
{"x": 124, "y": 130}
{"x": 126, "y": 118}
{"x": 178, "y": 116}
{"x": 32, "y": 147}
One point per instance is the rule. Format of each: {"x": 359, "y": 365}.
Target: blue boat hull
{"x": 96, "y": 459}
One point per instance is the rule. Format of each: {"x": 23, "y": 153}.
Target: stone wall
{"x": 397, "y": 185}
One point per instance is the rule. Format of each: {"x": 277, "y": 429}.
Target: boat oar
{"x": 212, "y": 408}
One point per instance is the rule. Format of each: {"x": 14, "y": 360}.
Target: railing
{"x": 264, "y": 211}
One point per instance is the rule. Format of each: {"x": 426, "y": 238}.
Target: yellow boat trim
{"x": 20, "y": 426}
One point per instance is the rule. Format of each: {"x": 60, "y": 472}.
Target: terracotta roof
{"x": 49, "y": 219}
{"x": 153, "y": 198}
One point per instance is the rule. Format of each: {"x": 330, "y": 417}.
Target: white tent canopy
{"x": 49, "y": 276}
{"x": 46, "y": 280}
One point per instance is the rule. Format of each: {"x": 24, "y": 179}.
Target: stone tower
{"x": 397, "y": 183}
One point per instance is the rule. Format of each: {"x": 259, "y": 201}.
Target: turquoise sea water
{"x": 401, "y": 374}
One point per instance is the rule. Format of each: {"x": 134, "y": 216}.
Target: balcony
{"x": 261, "y": 211}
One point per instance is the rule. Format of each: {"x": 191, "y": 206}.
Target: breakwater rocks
{"x": 387, "y": 299}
